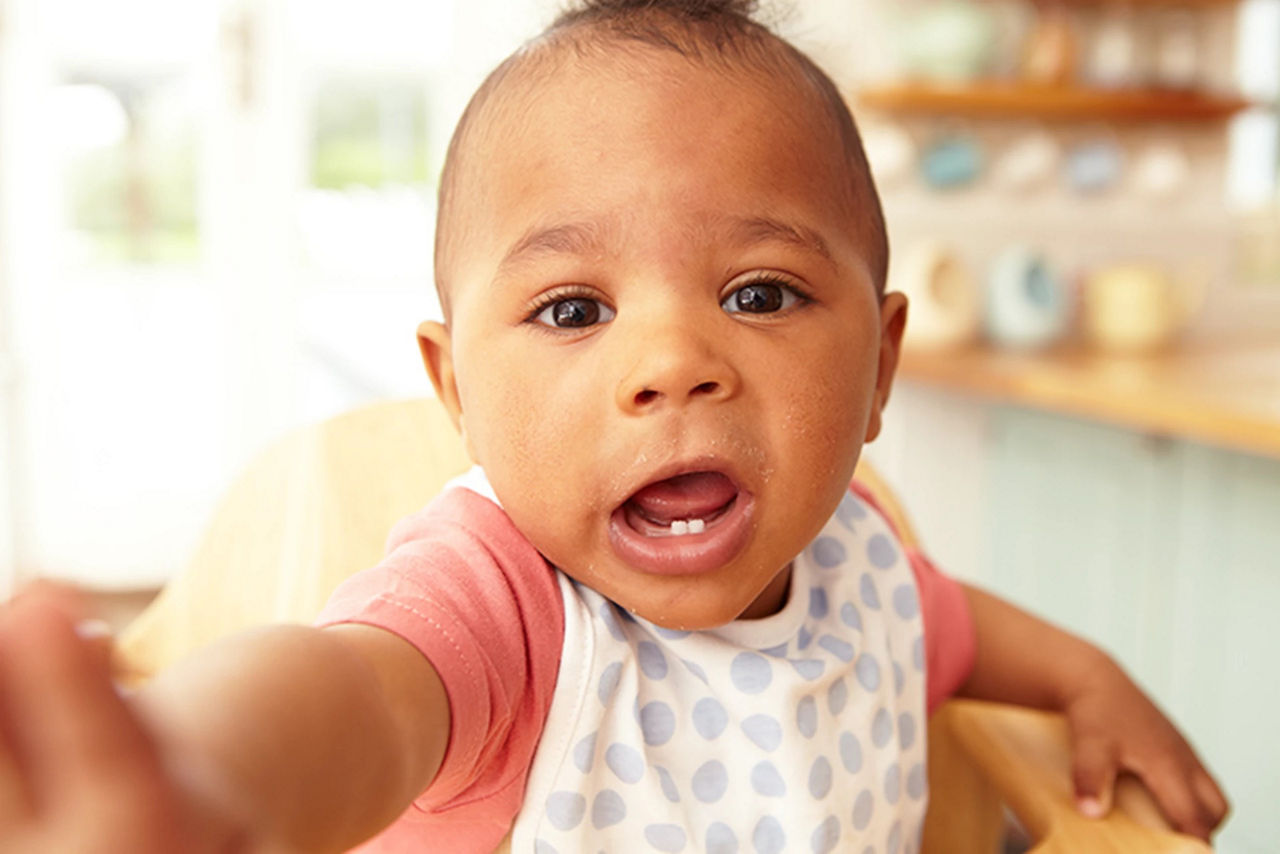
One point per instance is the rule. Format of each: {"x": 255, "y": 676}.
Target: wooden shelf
{"x": 998, "y": 99}
{"x": 1152, "y": 2}
{"x": 1220, "y": 393}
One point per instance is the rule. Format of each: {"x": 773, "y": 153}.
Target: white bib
{"x": 803, "y": 732}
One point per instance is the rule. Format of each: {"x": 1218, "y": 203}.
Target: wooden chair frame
{"x": 317, "y": 506}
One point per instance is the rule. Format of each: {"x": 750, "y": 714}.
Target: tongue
{"x": 687, "y": 496}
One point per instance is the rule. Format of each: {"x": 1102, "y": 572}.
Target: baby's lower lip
{"x": 654, "y": 549}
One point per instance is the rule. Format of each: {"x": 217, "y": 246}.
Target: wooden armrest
{"x": 984, "y": 755}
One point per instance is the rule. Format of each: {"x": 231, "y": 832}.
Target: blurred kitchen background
{"x": 216, "y": 219}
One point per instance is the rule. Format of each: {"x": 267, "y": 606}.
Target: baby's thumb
{"x": 1093, "y": 773}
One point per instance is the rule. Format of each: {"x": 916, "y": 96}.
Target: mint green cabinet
{"x": 1167, "y": 553}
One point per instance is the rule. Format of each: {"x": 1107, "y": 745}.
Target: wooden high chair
{"x": 318, "y": 505}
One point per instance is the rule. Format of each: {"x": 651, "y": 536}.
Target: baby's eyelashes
{"x": 763, "y": 296}
{"x": 573, "y": 313}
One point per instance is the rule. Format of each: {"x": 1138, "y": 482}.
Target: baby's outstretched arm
{"x": 1114, "y": 726}
{"x": 285, "y": 738}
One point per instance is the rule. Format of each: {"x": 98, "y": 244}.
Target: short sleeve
{"x": 950, "y": 641}
{"x": 463, "y": 586}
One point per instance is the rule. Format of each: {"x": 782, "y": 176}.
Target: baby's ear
{"x": 893, "y": 320}
{"x": 437, "y": 357}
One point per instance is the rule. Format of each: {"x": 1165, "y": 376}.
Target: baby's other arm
{"x": 1114, "y": 726}
{"x": 283, "y": 738}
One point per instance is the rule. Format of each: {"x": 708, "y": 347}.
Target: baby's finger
{"x": 1213, "y": 803}
{"x": 1093, "y": 774}
{"x": 15, "y": 801}
{"x": 74, "y": 732}
{"x": 1173, "y": 790}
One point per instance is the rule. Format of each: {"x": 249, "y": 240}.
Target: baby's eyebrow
{"x": 586, "y": 238}
{"x": 573, "y": 238}
{"x": 759, "y": 229}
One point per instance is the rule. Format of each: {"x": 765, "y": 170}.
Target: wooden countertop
{"x": 1219, "y": 393}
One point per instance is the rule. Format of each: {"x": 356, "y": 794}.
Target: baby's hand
{"x": 78, "y": 770}
{"x": 1114, "y": 728}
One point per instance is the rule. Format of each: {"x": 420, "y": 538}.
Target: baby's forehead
{"x": 529, "y": 93}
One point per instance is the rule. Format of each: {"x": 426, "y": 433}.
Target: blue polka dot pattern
{"x": 870, "y": 596}
{"x": 828, "y": 552}
{"x": 541, "y": 846}
{"x": 892, "y": 783}
{"x": 721, "y": 839}
{"x": 609, "y": 682}
{"x": 894, "y": 843}
{"x": 809, "y": 668}
{"x": 881, "y": 728}
{"x": 768, "y": 836}
{"x": 609, "y": 616}
{"x": 881, "y": 552}
{"x": 916, "y": 784}
{"x": 696, "y": 669}
{"x": 905, "y": 601}
{"x": 709, "y": 718}
{"x": 665, "y": 837}
{"x": 850, "y": 511}
{"x": 763, "y": 731}
{"x": 750, "y": 673}
{"x": 668, "y": 784}
{"x": 868, "y": 671}
{"x": 820, "y": 778}
{"x": 842, "y": 650}
{"x": 566, "y": 809}
{"x": 766, "y": 780}
{"x": 862, "y": 808}
{"x": 837, "y": 696}
{"x": 652, "y": 662}
{"x": 607, "y": 809}
{"x": 906, "y": 731}
{"x": 584, "y": 753}
{"x": 824, "y": 723}
{"x": 850, "y": 753}
{"x": 625, "y": 762}
{"x": 850, "y": 617}
{"x": 826, "y": 836}
{"x": 658, "y": 723}
{"x": 807, "y": 716}
{"x": 710, "y": 781}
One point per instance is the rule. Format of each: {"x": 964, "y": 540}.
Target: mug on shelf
{"x": 1136, "y": 308}
{"x": 1028, "y": 305}
{"x": 945, "y": 308}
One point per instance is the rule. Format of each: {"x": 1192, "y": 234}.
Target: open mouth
{"x": 690, "y": 523}
{"x": 680, "y": 505}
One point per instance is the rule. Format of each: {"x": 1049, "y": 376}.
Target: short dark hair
{"x": 713, "y": 31}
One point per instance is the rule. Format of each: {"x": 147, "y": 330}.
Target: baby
{"x": 656, "y": 616}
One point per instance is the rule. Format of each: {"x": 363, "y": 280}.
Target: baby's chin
{"x": 700, "y": 606}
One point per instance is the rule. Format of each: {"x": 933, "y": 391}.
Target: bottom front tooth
{"x": 696, "y": 526}
{"x": 679, "y": 526}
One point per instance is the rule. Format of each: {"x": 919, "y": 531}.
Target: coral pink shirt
{"x": 467, "y": 589}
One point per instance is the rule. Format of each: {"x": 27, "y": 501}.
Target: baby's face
{"x": 665, "y": 344}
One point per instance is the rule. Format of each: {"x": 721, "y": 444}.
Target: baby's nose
{"x": 676, "y": 371}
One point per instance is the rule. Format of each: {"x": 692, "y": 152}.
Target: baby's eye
{"x": 761, "y": 297}
{"x": 574, "y": 313}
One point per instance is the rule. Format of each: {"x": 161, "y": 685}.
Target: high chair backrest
{"x": 317, "y": 506}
